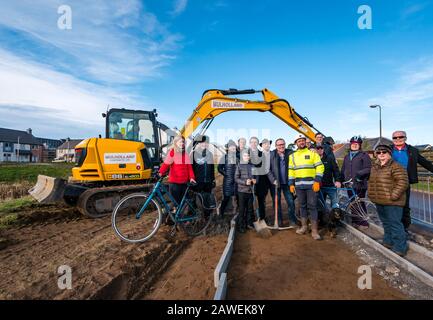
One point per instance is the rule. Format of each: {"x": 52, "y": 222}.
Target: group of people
{"x": 252, "y": 172}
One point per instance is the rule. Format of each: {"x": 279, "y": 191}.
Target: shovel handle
{"x": 276, "y": 205}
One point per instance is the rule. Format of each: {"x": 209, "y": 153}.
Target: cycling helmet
{"x": 356, "y": 139}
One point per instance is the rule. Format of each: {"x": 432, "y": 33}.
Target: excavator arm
{"x": 214, "y": 102}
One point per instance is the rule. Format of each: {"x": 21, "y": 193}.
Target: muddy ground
{"x": 290, "y": 266}
{"x": 103, "y": 267}
{"x": 286, "y": 266}
{"x": 191, "y": 276}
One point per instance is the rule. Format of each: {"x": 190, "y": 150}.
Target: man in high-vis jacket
{"x": 305, "y": 174}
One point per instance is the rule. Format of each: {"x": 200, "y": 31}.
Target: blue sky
{"x": 164, "y": 54}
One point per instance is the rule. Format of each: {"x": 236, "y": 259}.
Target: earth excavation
{"x": 285, "y": 266}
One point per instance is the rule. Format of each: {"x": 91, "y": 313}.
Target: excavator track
{"x": 99, "y": 202}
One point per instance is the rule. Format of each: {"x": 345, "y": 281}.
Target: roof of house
{"x": 369, "y": 145}
{"x": 424, "y": 147}
{"x": 50, "y": 143}
{"x": 71, "y": 144}
{"x": 10, "y": 135}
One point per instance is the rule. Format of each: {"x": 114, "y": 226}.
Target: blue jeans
{"x": 308, "y": 203}
{"x": 290, "y": 202}
{"x": 332, "y": 194}
{"x": 395, "y": 235}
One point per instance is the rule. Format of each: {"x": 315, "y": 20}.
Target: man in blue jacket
{"x": 408, "y": 157}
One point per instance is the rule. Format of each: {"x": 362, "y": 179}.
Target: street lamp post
{"x": 18, "y": 151}
{"x": 380, "y": 119}
{"x": 67, "y": 152}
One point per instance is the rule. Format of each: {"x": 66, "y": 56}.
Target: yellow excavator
{"x": 122, "y": 163}
{"x": 108, "y": 169}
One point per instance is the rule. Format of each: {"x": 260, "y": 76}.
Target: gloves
{"x": 292, "y": 189}
{"x": 316, "y": 186}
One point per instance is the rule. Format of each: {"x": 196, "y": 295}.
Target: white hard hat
{"x": 300, "y": 136}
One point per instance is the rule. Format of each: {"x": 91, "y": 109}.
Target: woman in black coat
{"x": 357, "y": 166}
{"x": 227, "y": 167}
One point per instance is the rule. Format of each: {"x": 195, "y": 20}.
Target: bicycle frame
{"x": 347, "y": 202}
{"x": 158, "y": 191}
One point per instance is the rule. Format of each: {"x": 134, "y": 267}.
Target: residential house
{"x": 49, "y": 148}
{"x": 18, "y": 146}
{"x": 66, "y": 152}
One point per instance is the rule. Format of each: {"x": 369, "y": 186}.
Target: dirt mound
{"x": 103, "y": 267}
{"x": 50, "y": 213}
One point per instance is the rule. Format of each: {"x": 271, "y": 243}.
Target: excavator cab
{"x": 138, "y": 126}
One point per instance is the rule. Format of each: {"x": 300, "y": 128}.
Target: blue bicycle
{"x": 137, "y": 217}
{"x": 354, "y": 207}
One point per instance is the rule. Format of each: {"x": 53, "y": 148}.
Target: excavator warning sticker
{"x": 120, "y": 158}
{"x": 227, "y": 104}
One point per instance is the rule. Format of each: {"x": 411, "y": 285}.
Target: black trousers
{"x": 245, "y": 209}
{"x": 406, "y": 220}
{"x": 262, "y": 190}
{"x": 224, "y": 203}
{"x": 177, "y": 191}
{"x": 203, "y": 187}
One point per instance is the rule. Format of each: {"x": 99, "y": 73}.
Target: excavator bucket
{"x": 48, "y": 189}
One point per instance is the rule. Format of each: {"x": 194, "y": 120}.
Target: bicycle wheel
{"x": 363, "y": 209}
{"x": 194, "y": 218}
{"x": 125, "y": 223}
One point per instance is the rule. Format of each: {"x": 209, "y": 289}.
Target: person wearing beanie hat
{"x": 227, "y": 168}
{"x": 230, "y": 143}
{"x": 204, "y": 167}
{"x": 387, "y": 190}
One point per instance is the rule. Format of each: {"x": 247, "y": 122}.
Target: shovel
{"x": 260, "y": 225}
{"x": 276, "y": 225}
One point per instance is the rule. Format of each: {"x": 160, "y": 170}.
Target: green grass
{"x": 19, "y": 173}
{"x": 8, "y": 220}
{"x": 9, "y": 206}
{"x": 422, "y": 186}
{"x": 9, "y": 210}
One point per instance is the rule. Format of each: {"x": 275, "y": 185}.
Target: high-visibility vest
{"x": 305, "y": 168}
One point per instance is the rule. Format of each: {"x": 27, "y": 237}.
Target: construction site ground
{"x": 285, "y": 266}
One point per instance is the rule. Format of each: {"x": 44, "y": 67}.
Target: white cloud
{"x": 59, "y": 97}
{"x": 179, "y": 7}
{"x": 407, "y": 105}
{"x": 413, "y": 87}
{"x": 112, "y": 41}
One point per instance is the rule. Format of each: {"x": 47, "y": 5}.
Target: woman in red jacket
{"x": 181, "y": 171}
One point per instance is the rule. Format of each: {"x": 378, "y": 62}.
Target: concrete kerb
{"x": 220, "y": 274}
{"x": 221, "y": 291}
{"x": 403, "y": 263}
{"x": 412, "y": 245}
